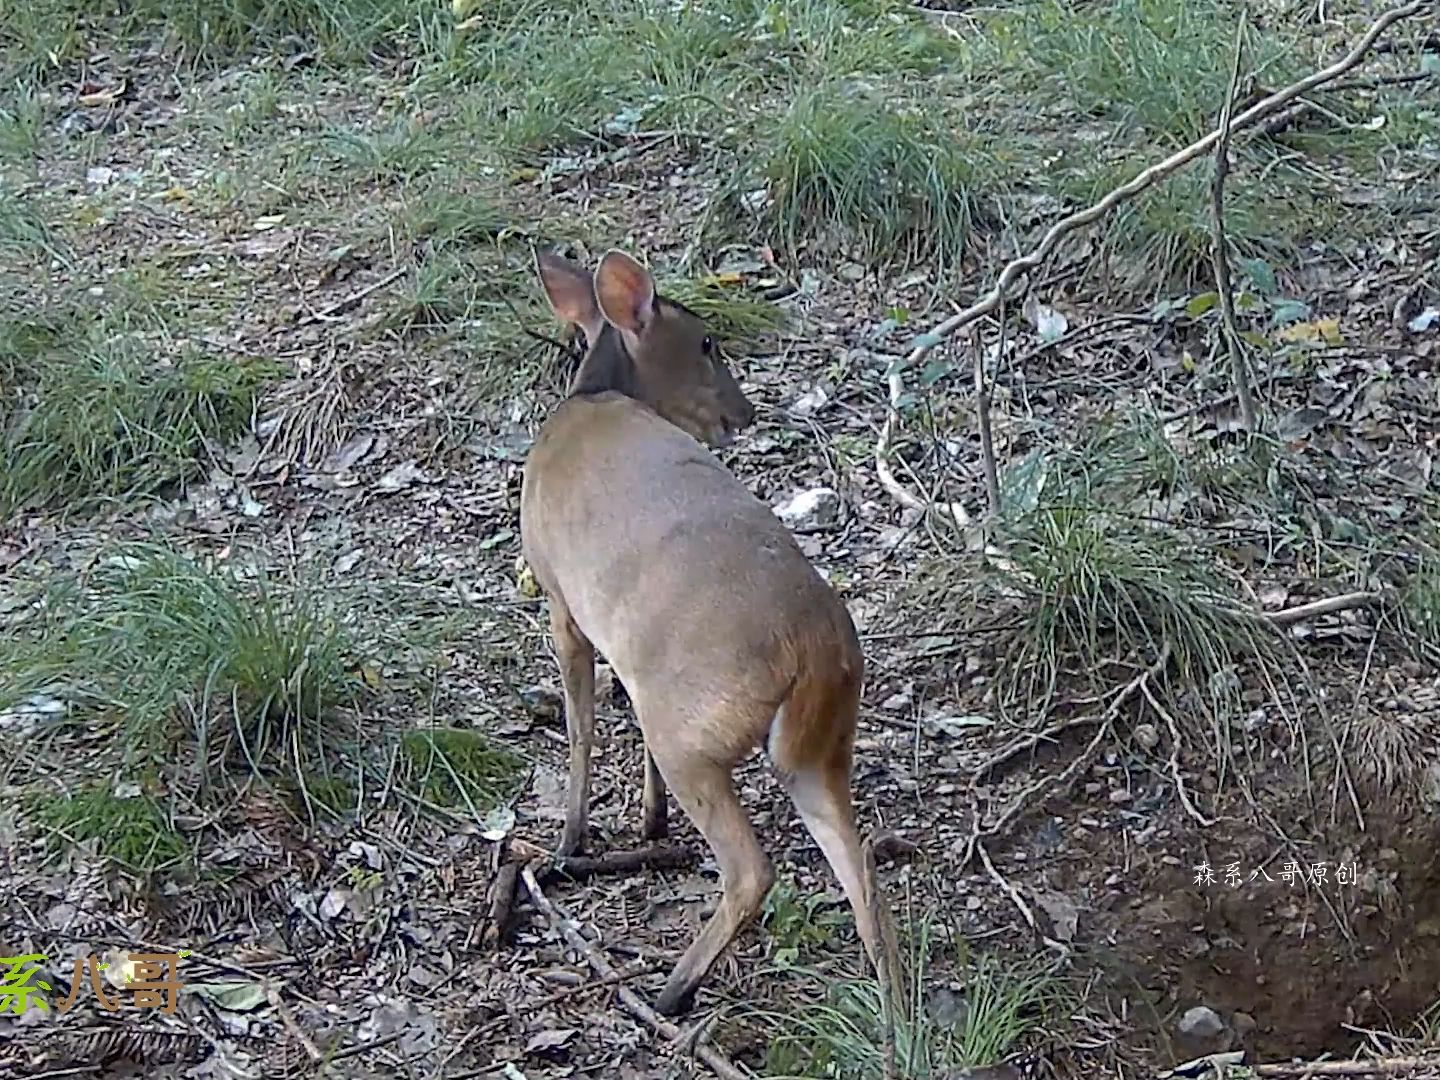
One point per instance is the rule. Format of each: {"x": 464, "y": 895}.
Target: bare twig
{"x": 1028, "y": 742}
{"x": 982, "y": 419}
{"x": 1328, "y": 606}
{"x": 1219, "y": 249}
{"x": 1067, "y": 776}
{"x": 1351, "y": 1067}
{"x": 579, "y": 867}
{"x": 717, "y": 1062}
{"x": 312, "y": 1051}
{"x": 1184, "y": 795}
{"x": 351, "y": 300}
{"x": 1016, "y": 268}
{"x": 1019, "y": 901}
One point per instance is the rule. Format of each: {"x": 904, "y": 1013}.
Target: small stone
{"x": 1201, "y": 1022}
{"x": 1430, "y": 786}
{"x": 1120, "y": 796}
{"x": 812, "y": 510}
{"x": 1243, "y": 1024}
{"x": 1147, "y": 736}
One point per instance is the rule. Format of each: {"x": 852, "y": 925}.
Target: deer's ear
{"x": 625, "y": 291}
{"x": 571, "y": 292}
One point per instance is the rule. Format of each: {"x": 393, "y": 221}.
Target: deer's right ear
{"x": 571, "y": 292}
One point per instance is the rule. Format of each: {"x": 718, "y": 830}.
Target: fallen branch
{"x": 502, "y": 901}
{"x": 1014, "y": 269}
{"x": 580, "y": 867}
{"x": 1349, "y": 1067}
{"x": 1328, "y": 606}
{"x": 1067, "y": 776}
{"x": 569, "y": 868}
{"x": 1219, "y": 250}
{"x": 717, "y": 1062}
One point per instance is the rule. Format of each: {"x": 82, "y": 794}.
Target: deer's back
{"x": 663, "y": 556}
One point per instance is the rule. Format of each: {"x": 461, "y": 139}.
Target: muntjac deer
{"x": 725, "y": 637}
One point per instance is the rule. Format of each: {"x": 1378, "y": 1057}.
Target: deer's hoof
{"x": 676, "y": 1000}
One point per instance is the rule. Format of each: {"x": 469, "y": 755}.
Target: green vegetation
{"x": 159, "y": 643}
{"x": 1094, "y": 569}
{"x": 93, "y": 412}
{"x": 837, "y": 1030}
{"x": 454, "y": 767}
{"x": 132, "y": 829}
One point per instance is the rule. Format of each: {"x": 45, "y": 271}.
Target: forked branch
{"x": 717, "y": 1062}
{"x": 1016, "y": 268}
{"x": 1220, "y": 253}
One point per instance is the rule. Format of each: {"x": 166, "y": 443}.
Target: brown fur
{"x": 725, "y": 636}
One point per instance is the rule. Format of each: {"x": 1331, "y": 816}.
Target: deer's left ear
{"x": 625, "y": 292}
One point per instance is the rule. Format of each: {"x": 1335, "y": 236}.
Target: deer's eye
{"x": 707, "y": 345}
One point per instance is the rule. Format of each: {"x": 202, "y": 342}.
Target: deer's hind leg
{"x": 656, "y": 823}
{"x": 576, "y": 656}
{"x": 706, "y": 791}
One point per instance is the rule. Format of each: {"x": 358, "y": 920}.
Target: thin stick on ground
{"x": 1017, "y": 268}
{"x": 1180, "y": 790}
{"x": 1079, "y": 764}
{"x": 1329, "y": 606}
{"x": 1219, "y": 249}
{"x": 715, "y": 1061}
{"x": 1351, "y": 1067}
{"x": 982, "y": 419}
{"x": 1019, "y": 901}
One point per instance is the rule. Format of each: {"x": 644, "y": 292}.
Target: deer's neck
{"x": 607, "y": 366}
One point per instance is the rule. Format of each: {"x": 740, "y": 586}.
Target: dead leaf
{"x": 552, "y": 1039}
{"x": 230, "y": 996}
{"x": 1049, "y": 323}
{"x": 347, "y": 562}
{"x": 104, "y": 95}
{"x": 1300, "y": 423}
{"x": 498, "y": 823}
{"x": 267, "y": 243}
{"x": 401, "y": 477}
{"x": 353, "y": 451}
{"x": 725, "y": 277}
{"x": 1063, "y": 914}
{"x": 1314, "y": 333}
{"x": 1426, "y": 319}
{"x": 549, "y": 789}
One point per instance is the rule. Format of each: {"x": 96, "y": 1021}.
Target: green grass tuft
{"x": 1095, "y": 567}
{"x": 739, "y": 322}
{"x": 852, "y": 171}
{"x": 95, "y": 413}
{"x": 167, "y": 646}
{"x": 133, "y": 831}
{"x": 1005, "y": 1002}
{"x": 457, "y": 767}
